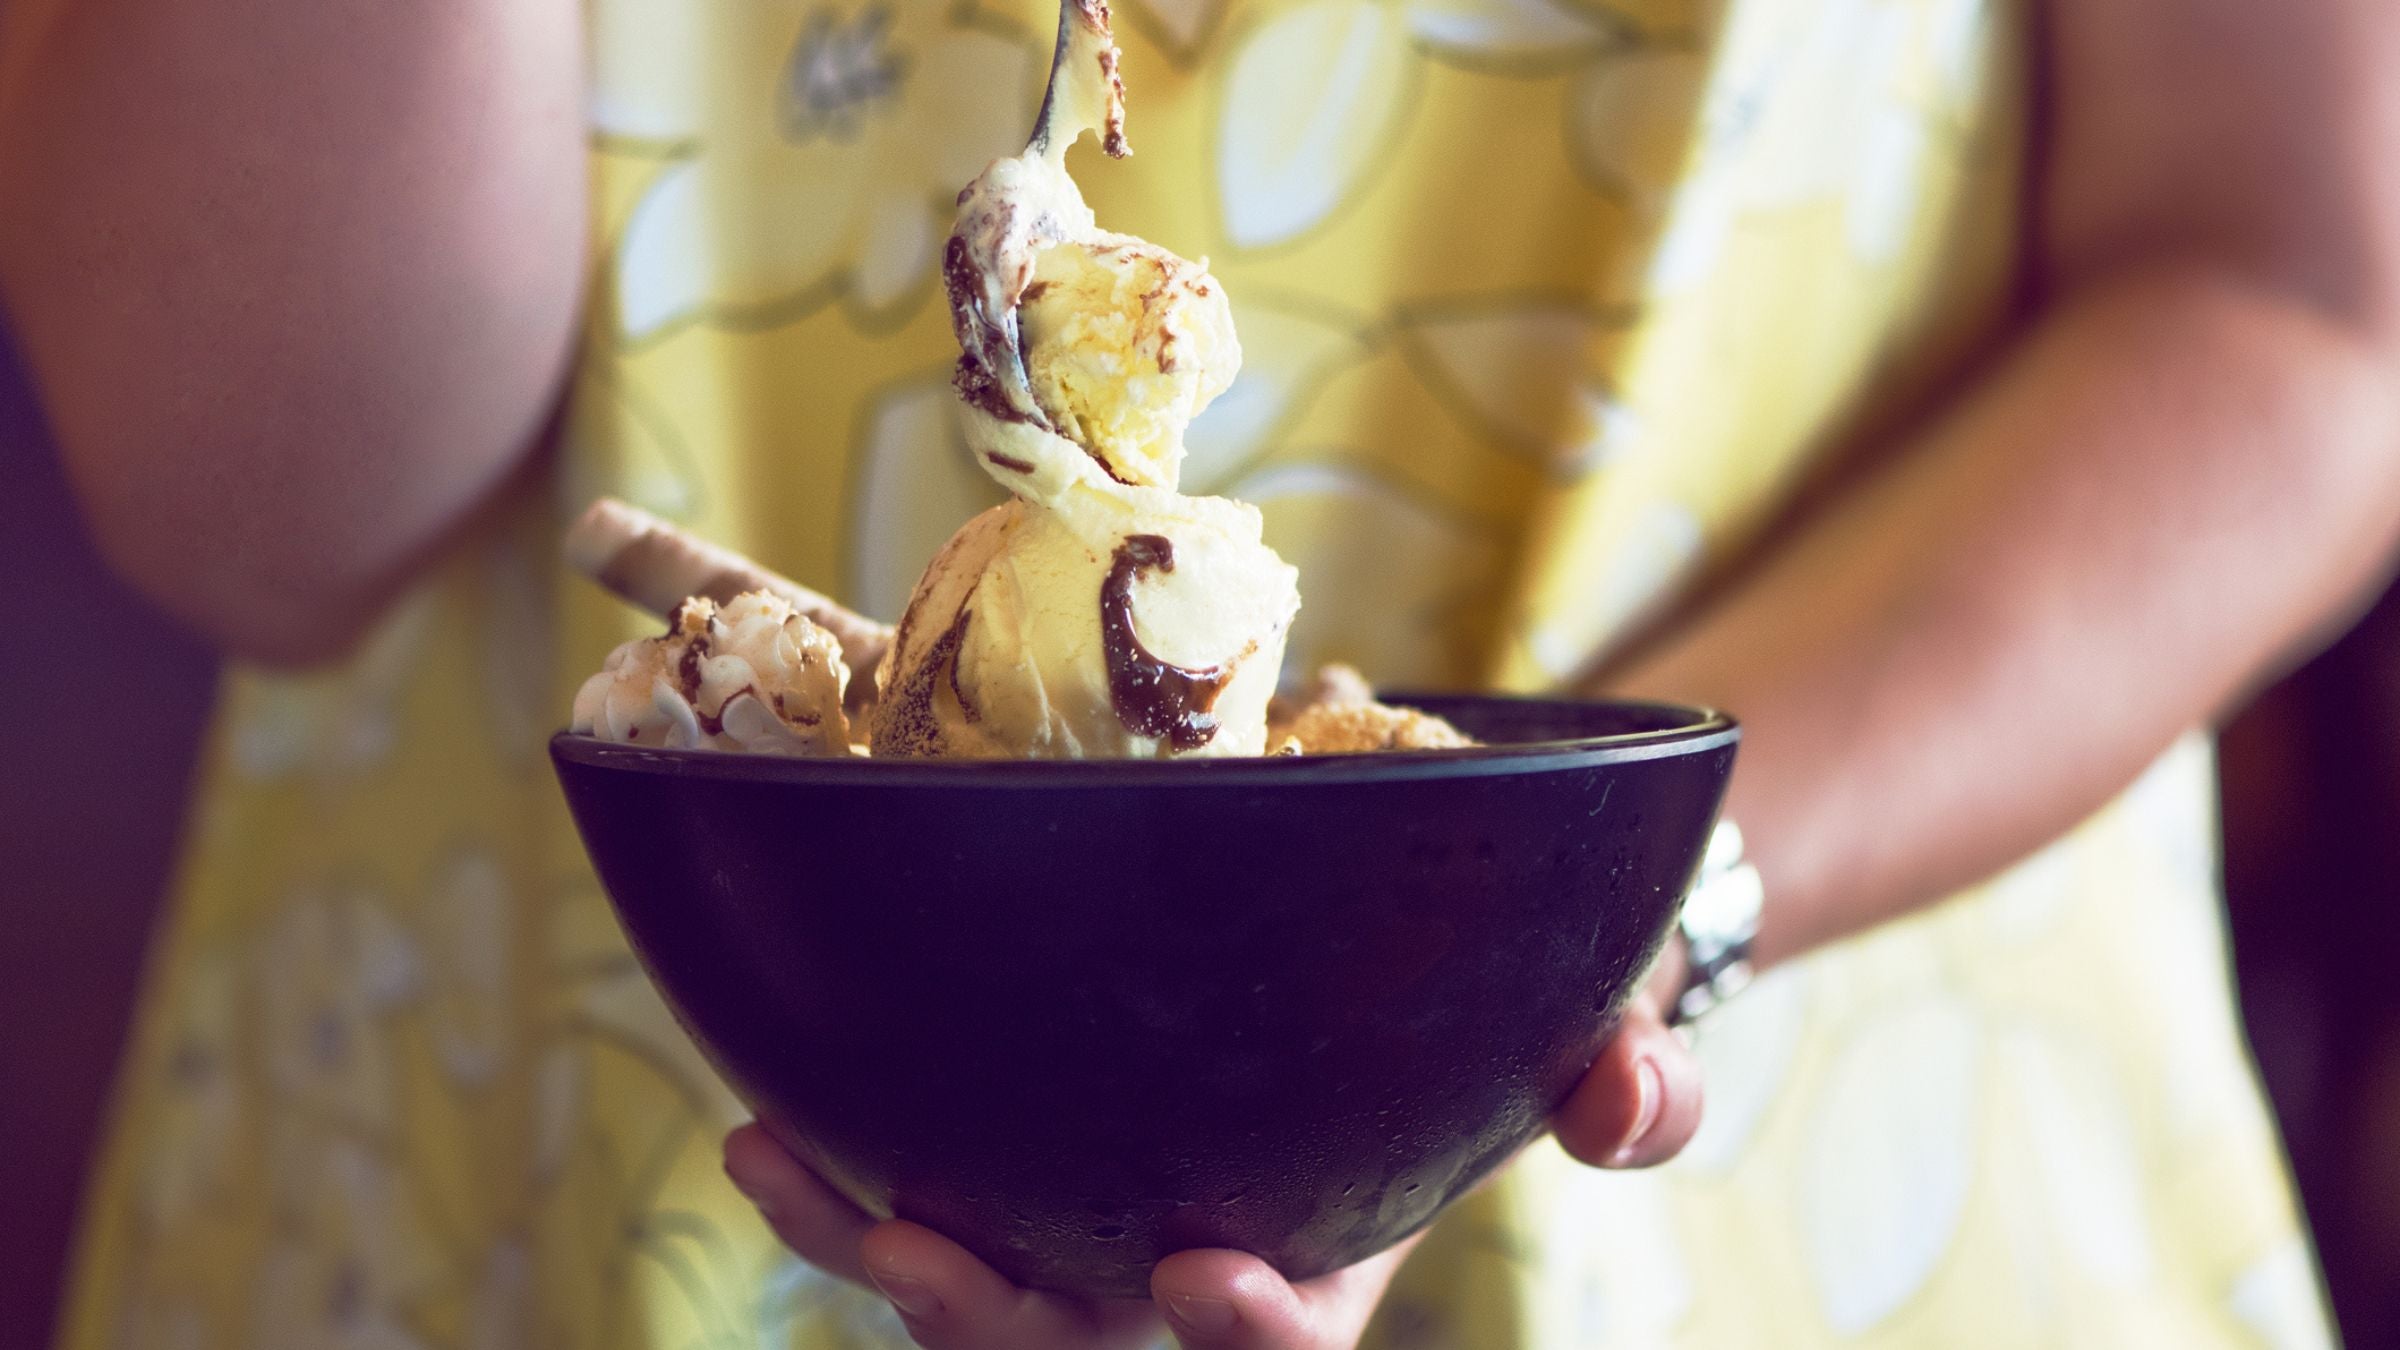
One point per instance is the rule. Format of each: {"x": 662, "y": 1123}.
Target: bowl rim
{"x": 1696, "y": 729}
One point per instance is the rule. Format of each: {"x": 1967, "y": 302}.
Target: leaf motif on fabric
{"x": 1182, "y": 28}
{"x": 1386, "y": 573}
{"x": 1311, "y": 103}
{"x": 338, "y": 723}
{"x": 473, "y": 919}
{"x": 1509, "y": 33}
{"x": 2086, "y": 1154}
{"x": 1745, "y": 1050}
{"x": 2277, "y": 1297}
{"x": 914, "y": 483}
{"x": 1889, "y": 1153}
{"x": 1631, "y": 121}
{"x": 1649, "y": 562}
{"x": 1522, "y": 373}
{"x": 325, "y": 992}
{"x": 623, "y": 442}
{"x": 1288, "y": 351}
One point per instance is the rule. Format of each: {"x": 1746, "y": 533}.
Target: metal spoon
{"x": 1084, "y": 42}
{"x": 1085, "y": 93}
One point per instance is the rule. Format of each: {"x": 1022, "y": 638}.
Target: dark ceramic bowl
{"x": 1077, "y": 1016}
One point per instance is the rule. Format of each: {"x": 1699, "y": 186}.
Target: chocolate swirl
{"x": 1153, "y": 697}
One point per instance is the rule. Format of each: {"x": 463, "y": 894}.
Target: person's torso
{"x": 1547, "y": 306}
{"x": 1544, "y": 305}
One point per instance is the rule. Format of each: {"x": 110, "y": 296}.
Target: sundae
{"x": 1098, "y": 613}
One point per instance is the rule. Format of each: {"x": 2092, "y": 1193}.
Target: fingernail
{"x": 1651, "y": 1090}
{"x": 1201, "y": 1316}
{"x": 914, "y": 1298}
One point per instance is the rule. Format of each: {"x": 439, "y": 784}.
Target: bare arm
{"x": 296, "y": 281}
{"x": 2178, "y": 477}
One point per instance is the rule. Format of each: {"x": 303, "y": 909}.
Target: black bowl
{"x": 1077, "y": 1016}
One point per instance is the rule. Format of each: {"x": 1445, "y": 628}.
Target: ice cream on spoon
{"x": 1099, "y": 613}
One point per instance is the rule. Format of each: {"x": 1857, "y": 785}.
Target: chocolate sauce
{"x": 906, "y": 724}
{"x": 946, "y": 654}
{"x": 687, "y": 673}
{"x": 958, "y": 284}
{"x": 974, "y": 379}
{"x": 1112, "y": 125}
{"x": 1152, "y": 697}
{"x": 784, "y": 712}
{"x": 1009, "y": 462}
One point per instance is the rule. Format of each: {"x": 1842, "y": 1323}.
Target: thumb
{"x": 1639, "y": 1103}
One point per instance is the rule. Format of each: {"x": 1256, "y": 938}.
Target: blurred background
{"x": 90, "y": 810}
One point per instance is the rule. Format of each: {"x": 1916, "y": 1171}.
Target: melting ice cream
{"x": 1099, "y": 612}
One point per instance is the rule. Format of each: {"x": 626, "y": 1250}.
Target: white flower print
{"x": 200, "y": 1106}
{"x": 348, "y": 1257}
{"x": 331, "y": 968}
{"x": 1316, "y": 96}
{"x": 1806, "y": 103}
{"x": 1889, "y": 1155}
{"x": 2087, "y": 1156}
{"x": 1746, "y": 1049}
{"x": 819, "y": 166}
{"x": 472, "y": 921}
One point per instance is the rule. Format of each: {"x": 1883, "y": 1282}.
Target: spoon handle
{"x": 1085, "y": 92}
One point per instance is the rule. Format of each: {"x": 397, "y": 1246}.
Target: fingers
{"x": 1223, "y": 1300}
{"x": 817, "y": 1224}
{"x": 1213, "y": 1300}
{"x": 1640, "y": 1102}
{"x": 951, "y": 1301}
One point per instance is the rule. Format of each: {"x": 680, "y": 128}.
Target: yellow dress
{"x": 1546, "y": 304}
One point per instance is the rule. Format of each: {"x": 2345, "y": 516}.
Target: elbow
{"x": 279, "y": 525}
{"x": 252, "y": 591}
{"x": 281, "y": 569}
{"x": 280, "y": 539}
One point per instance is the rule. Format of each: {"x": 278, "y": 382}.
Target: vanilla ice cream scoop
{"x": 752, "y": 675}
{"x": 1101, "y": 613}
{"x": 1124, "y": 344}
{"x": 1024, "y": 642}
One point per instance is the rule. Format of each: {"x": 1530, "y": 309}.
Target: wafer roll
{"x": 655, "y": 565}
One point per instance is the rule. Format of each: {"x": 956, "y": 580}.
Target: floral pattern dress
{"x": 1547, "y": 304}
